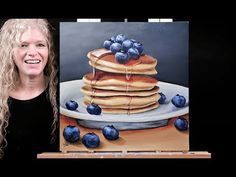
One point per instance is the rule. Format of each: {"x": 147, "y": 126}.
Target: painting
{"x": 124, "y": 87}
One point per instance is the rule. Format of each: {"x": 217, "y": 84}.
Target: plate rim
{"x": 85, "y": 116}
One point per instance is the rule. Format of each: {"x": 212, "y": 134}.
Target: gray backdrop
{"x": 168, "y": 42}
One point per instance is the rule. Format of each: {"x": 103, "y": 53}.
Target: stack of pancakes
{"x": 121, "y": 88}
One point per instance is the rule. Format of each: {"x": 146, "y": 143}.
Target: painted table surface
{"x": 166, "y": 138}
{"x": 162, "y": 142}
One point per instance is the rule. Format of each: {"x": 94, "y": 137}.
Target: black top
{"x": 29, "y": 129}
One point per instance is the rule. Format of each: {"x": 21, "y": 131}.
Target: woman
{"x": 28, "y": 89}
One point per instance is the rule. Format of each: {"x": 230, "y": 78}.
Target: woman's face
{"x": 32, "y": 55}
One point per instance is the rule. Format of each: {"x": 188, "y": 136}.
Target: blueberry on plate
{"x": 162, "y": 98}
{"x": 91, "y": 140}
{"x": 94, "y": 109}
{"x": 71, "y": 133}
{"x": 72, "y": 105}
{"x": 181, "y": 124}
{"x": 110, "y": 132}
{"x": 179, "y": 101}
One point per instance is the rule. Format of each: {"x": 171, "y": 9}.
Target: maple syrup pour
{"x": 93, "y": 94}
{"x": 91, "y": 83}
{"x": 133, "y": 62}
{"x": 128, "y": 111}
{"x": 91, "y": 100}
{"x": 94, "y": 79}
{"x": 94, "y": 73}
{"x": 128, "y": 75}
{"x": 93, "y": 91}
{"x": 98, "y": 54}
{"x": 101, "y": 52}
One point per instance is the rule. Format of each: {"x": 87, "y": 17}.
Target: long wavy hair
{"x": 10, "y": 35}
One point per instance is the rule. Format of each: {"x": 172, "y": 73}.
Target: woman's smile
{"x": 32, "y": 61}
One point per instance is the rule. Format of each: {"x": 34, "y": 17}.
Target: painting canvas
{"x": 124, "y": 87}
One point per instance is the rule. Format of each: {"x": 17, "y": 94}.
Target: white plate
{"x": 71, "y": 91}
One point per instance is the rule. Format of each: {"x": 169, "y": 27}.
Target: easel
{"x": 125, "y": 155}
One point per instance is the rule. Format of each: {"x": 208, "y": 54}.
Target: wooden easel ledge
{"x": 128, "y": 154}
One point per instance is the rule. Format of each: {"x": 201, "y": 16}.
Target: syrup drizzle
{"x": 92, "y": 99}
{"x": 130, "y": 99}
{"x": 93, "y": 80}
{"x": 128, "y": 75}
{"x": 98, "y": 54}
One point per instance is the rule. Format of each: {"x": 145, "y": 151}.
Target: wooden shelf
{"x": 107, "y": 155}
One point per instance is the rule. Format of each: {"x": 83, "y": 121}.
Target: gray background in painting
{"x": 168, "y": 42}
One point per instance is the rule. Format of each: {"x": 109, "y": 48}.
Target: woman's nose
{"x": 32, "y": 51}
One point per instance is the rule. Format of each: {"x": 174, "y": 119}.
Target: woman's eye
{"x": 23, "y": 45}
{"x": 41, "y": 45}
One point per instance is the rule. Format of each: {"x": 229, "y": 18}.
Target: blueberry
{"x": 178, "y": 100}
{"x": 113, "y": 39}
{"x": 162, "y": 98}
{"x": 133, "y": 40}
{"x": 121, "y": 57}
{"x": 110, "y": 132}
{"x": 126, "y": 45}
{"x": 71, "y": 133}
{"x": 120, "y": 38}
{"x": 91, "y": 140}
{"x": 133, "y": 53}
{"x": 115, "y": 47}
{"x": 139, "y": 47}
{"x": 181, "y": 123}
{"x": 107, "y": 44}
{"x": 94, "y": 109}
{"x": 72, "y": 105}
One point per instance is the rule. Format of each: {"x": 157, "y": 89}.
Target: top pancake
{"x": 104, "y": 60}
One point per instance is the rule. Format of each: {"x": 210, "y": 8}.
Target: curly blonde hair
{"x": 10, "y": 34}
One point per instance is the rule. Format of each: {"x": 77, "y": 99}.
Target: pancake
{"x": 85, "y": 103}
{"x": 88, "y": 90}
{"x": 126, "y": 101}
{"x": 129, "y": 111}
{"x": 111, "y": 81}
{"x": 104, "y": 60}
